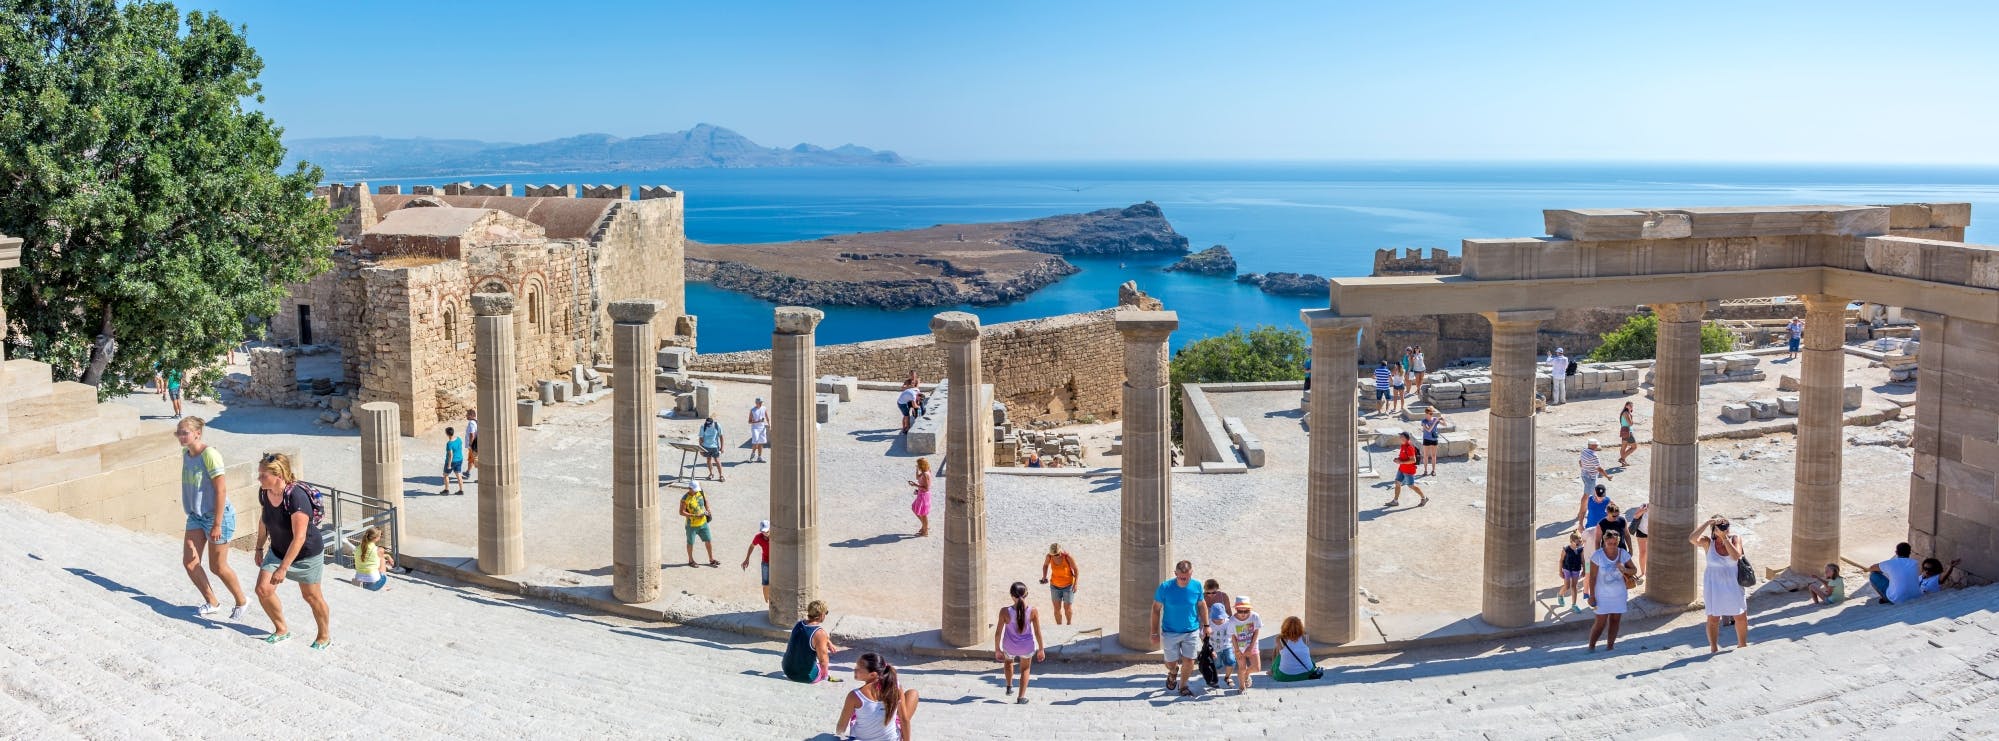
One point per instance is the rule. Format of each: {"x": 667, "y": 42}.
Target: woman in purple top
{"x": 1017, "y": 639}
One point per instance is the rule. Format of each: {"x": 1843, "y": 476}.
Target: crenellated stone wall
{"x": 1412, "y": 261}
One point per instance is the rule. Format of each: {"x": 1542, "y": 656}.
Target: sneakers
{"x": 238, "y": 612}
{"x": 207, "y": 610}
{"x": 1561, "y": 601}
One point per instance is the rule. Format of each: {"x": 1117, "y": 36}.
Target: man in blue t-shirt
{"x": 1176, "y": 625}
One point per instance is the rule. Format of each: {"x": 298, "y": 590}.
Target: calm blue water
{"x": 1324, "y": 218}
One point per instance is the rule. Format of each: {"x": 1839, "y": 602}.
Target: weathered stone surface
{"x": 797, "y": 319}
{"x": 955, "y": 326}
{"x": 636, "y": 310}
{"x": 492, "y": 304}
{"x": 1736, "y": 413}
{"x": 1850, "y": 397}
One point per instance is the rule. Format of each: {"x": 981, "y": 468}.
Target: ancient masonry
{"x": 395, "y": 300}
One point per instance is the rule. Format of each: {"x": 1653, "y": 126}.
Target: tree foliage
{"x": 154, "y": 219}
{"x": 1638, "y": 339}
{"x": 1267, "y": 353}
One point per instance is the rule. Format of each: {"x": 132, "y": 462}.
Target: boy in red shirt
{"x": 762, "y": 540}
{"x": 1405, "y": 473}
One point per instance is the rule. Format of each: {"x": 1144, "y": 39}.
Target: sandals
{"x": 714, "y": 563}
{"x": 321, "y": 645}
{"x": 1426, "y": 500}
{"x": 277, "y": 638}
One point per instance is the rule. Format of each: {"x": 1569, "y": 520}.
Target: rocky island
{"x": 1287, "y": 284}
{"x": 943, "y": 265}
{"x": 1214, "y": 260}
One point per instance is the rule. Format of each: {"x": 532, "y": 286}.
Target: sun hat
{"x": 763, "y": 526}
{"x": 1593, "y": 443}
{"x": 1215, "y": 611}
{"x": 1242, "y": 601}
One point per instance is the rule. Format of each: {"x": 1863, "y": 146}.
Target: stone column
{"x": 1332, "y": 507}
{"x": 1815, "y": 491}
{"x": 502, "y": 547}
{"x": 382, "y": 457}
{"x": 635, "y": 545}
{"x": 1672, "y": 571}
{"x": 967, "y": 425}
{"x": 794, "y": 467}
{"x": 1508, "y": 598}
{"x": 1146, "y": 555}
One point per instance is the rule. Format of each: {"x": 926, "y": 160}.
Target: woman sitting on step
{"x": 808, "y": 656}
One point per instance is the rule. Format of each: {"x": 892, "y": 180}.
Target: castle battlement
{"x": 1413, "y": 262}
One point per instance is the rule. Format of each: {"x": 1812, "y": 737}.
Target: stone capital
{"x": 1819, "y": 303}
{"x": 797, "y": 319}
{"x": 1518, "y": 319}
{"x": 956, "y": 327}
{"x": 636, "y": 310}
{"x": 1683, "y": 311}
{"x": 1328, "y": 323}
{"x": 492, "y": 304}
{"x": 1146, "y": 325}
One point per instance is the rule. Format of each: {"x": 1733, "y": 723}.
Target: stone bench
{"x": 844, "y": 387}
{"x": 1246, "y": 442}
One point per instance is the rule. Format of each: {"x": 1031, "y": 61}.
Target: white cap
{"x": 763, "y": 526}
{"x": 693, "y": 485}
{"x": 1593, "y": 443}
{"x": 1558, "y": 351}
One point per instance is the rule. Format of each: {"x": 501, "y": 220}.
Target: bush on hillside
{"x": 1267, "y": 353}
{"x": 1638, "y": 339}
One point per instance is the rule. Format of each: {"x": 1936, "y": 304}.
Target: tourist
{"x": 694, "y": 507}
{"x": 1897, "y": 580}
{"x": 1245, "y": 631}
{"x": 371, "y": 562}
{"x": 1384, "y": 397}
{"x": 1613, "y": 522}
{"x": 1398, "y": 380}
{"x": 1591, "y": 467}
{"x": 160, "y": 382}
{"x": 808, "y": 654}
{"x": 1059, "y": 572}
{"x": 1796, "y": 332}
{"x": 173, "y": 389}
{"x": 1033, "y": 458}
{"x": 1610, "y": 576}
{"x": 1828, "y": 588}
{"x": 906, "y": 402}
{"x": 1935, "y": 575}
{"x": 711, "y": 447}
{"x": 1719, "y": 589}
{"x": 1293, "y": 662}
{"x": 1419, "y": 368}
{"x": 471, "y": 445}
{"x": 290, "y": 524}
{"x": 1215, "y": 643}
{"x": 1176, "y": 624}
{"x": 1558, "y": 370}
{"x": 454, "y": 461}
{"x": 1627, "y": 443}
{"x": 1640, "y": 540}
{"x": 1405, "y": 473}
{"x": 1433, "y": 427}
{"x": 879, "y": 709}
{"x": 920, "y": 506}
{"x": 1017, "y": 639}
{"x": 1572, "y": 572}
{"x": 759, "y": 430}
{"x": 760, "y": 540}
{"x": 211, "y": 521}
{"x": 1308, "y": 374}
{"x": 1212, "y": 596}
{"x": 1591, "y": 511}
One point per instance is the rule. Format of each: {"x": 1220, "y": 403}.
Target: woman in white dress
{"x": 759, "y": 430}
{"x": 1723, "y": 594}
{"x": 1609, "y": 568}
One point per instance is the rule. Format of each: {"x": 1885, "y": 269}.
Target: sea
{"x": 1326, "y": 218}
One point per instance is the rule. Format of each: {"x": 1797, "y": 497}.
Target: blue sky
{"x": 1027, "y": 81}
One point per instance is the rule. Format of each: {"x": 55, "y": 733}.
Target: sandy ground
{"x": 1420, "y": 565}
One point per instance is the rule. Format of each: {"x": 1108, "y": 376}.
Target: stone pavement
{"x": 101, "y": 642}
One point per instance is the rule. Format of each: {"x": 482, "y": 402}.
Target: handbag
{"x": 1206, "y": 661}
{"x": 1745, "y": 574}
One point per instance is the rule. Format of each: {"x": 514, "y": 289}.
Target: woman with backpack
{"x": 1721, "y": 587}
{"x": 1017, "y": 639}
{"x": 290, "y": 523}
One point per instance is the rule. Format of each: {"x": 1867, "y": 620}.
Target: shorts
{"x": 472, "y": 445}
{"x": 1637, "y": 533}
{"x": 1225, "y": 655}
{"x": 372, "y": 582}
{"x": 711, "y": 452}
{"x": 1181, "y": 646}
{"x": 1429, "y": 442}
{"x": 1405, "y": 478}
{"x": 1382, "y": 394}
{"x": 1567, "y": 574}
{"x": 699, "y": 531}
{"x": 766, "y": 570}
{"x": 905, "y": 407}
{"x": 304, "y": 571}
{"x": 451, "y": 467}
{"x": 1795, "y": 342}
{"x": 206, "y": 523}
{"x": 173, "y": 392}
{"x": 1065, "y": 595}
{"x": 1624, "y": 434}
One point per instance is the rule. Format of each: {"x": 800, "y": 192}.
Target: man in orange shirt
{"x": 1059, "y": 572}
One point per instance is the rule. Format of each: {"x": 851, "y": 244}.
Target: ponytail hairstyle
{"x": 885, "y": 683}
{"x": 370, "y": 538}
{"x": 1019, "y": 590}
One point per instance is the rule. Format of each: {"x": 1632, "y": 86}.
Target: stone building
{"x": 395, "y": 300}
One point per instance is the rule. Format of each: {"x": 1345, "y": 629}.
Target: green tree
{"x": 1267, "y": 353}
{"x": 1638, "y": 339}
{"x": 154, "y": 218}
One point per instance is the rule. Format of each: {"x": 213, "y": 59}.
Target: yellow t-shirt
{"x": 367, "y": 559}
{"x": 698, "y": 504}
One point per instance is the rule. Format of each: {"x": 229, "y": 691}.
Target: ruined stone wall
{"x": 1054, "y": 369}
{"x": 1954, "y": 489}
{"x": 1412, "y": 261}
{"x": 641, "y": 254}
{"x": 337, "y": 303}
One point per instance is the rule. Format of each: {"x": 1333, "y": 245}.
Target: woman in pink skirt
{"x": 922, "y": 504}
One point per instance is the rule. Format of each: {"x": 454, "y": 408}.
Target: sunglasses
{"x": 1721, "y": 526}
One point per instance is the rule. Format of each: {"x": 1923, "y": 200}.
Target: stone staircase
{"x": 101, "y": 641}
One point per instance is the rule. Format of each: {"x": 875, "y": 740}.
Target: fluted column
{"x": 1821, "y": 386}
{"x": 967, "y": 421}
{"x": 502, "y": 547}
{"x": 794, "y": 471}
{"x": 1672, "y": 572}
{"x": 381, "y": 425}
{"x": 1508, "y": 598}
{"x": 1146, "y": 553}
{"x": 635, "y": 545}
{"x": 1332, "y": 487}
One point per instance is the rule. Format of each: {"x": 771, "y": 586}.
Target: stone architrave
{"x": 1672, "y": 573}
{"x": 794, "y": 471}
{"x": 502, "y": 545}
{"x": 966, "y": 427}
{"x": 1508, "y": 597}
{"x": 635, "y": 544}
{"x": 1332, "y": 487}
{"x": 1147, "y": 502}
{"x": 1815, "y": 492}
{"x": 381, "y": 425}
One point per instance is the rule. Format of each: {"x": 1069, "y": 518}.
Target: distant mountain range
{"x": 704, "y": 146}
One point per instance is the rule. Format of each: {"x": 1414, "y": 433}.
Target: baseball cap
{"x": 693, "y": 485}
{"x": 1558, "y": 351}
{"x": 763, "y": 526}
{"x": 1593, "y": 443}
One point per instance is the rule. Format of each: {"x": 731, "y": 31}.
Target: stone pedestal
{"x": 635, "y": 544}
{"x": 967, "y": 427}
{"x": 794, "y": 466}
{"x": 1815, "y": 493}
{"x": 502, "y": 548}
{"x": 1146, "y": 554}
{"x": 1332, "y": 507}
{"x": 1508, "y": 597}
{"x": 382, "y": 456}
{"x": 1672, "y": 572}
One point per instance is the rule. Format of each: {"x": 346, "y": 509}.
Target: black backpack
{"x": 1571, "y": 370}
{"x": 1206, "y": 661}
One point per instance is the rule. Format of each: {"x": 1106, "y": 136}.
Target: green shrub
{"x": 1638, "y": 339}
{"x": 1267, "y": 353}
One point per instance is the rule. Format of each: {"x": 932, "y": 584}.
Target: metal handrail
{"x": 334, "y": 532}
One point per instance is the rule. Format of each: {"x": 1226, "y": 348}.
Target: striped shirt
{"x": 1592, "y": 468}
{"x": 1381, "y": 376}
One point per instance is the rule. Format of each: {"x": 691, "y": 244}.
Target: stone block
{"x": 1738, "y": 362}
{"x": 925, "y": 437}
{"x": 844, "y": 387}
{"x": 683, "y": 403}
{"x": 1788, "y": 382}
{"x": 561, "y": 392}
{"x": 1762, "y": 408}
{"x": 1006, "y": 452}
{"x": 548, "y": 391}
{"x": 675, "y": 358}
{"x": 1850, "y": 397}
{"x": 1787, "y": 405}
{"x": 826, "y": 405}
{"x": 1387, "y": 436}
{"x": 1736, "y": 413}
{"x": 999, "y": 417}
{"x": 1452, "y": 445}
{"x": 704, "y": 399}
{"x": 527, "y": 412}
{"x": 1252, "y": 450}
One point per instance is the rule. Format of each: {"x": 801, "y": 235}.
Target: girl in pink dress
{"x": 922, "y": 504}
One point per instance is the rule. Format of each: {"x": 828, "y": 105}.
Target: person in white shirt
{"x": 906, "y": 401}
{"x": 1558, "y": 367}
{"x": 1898, "y": 579}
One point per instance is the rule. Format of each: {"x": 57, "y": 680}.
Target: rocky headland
{"x": 1287, "y": 284}
{"x": 942, "y": 265}
{"x": 1214, "y": 260}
